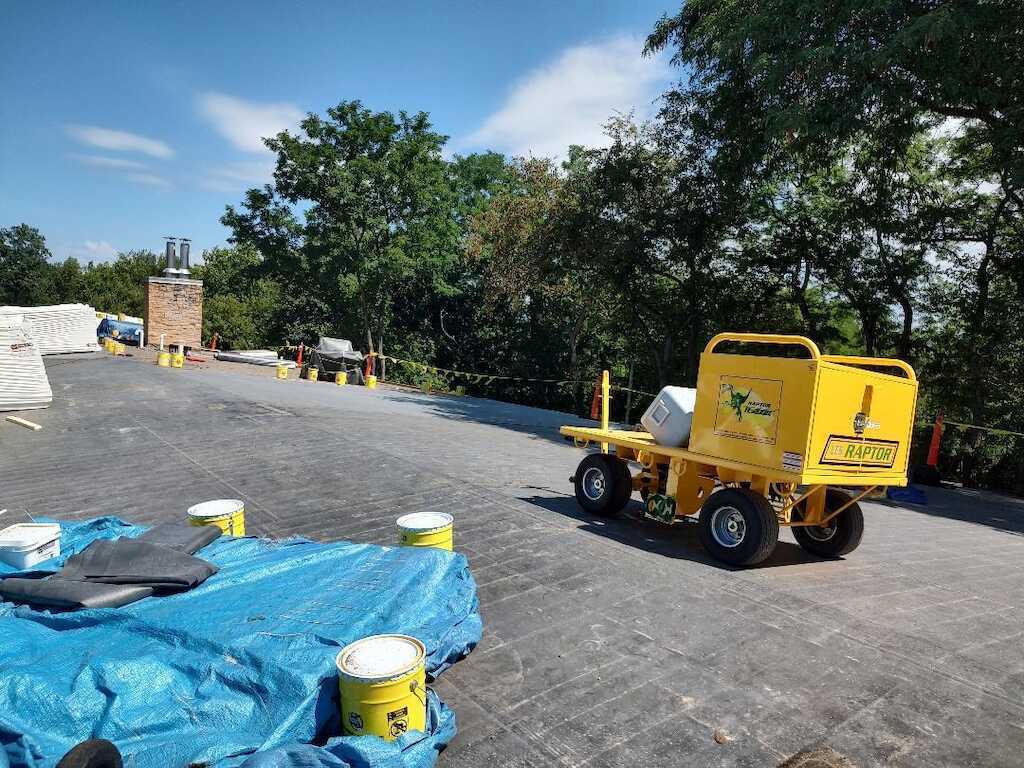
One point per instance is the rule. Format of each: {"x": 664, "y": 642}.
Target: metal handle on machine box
{"x": 765, "y": 338}
{"x": 873, "y": 362}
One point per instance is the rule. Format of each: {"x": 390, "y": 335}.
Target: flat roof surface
{"x": 606, "y": 643}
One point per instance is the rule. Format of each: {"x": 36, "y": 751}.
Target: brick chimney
{"x": 174, "y": 308}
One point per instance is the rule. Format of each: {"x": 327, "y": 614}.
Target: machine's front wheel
{"x": 603, "y": 484}
{"x": 843, "y": 533}
{"x": 738, "y": 526}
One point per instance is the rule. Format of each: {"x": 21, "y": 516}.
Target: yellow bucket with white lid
{"x": 426, "y": 529}
{"x": 383, "y": 685}
{"x": 226, "y": 514}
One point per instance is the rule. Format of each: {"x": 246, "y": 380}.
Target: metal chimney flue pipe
{"x": 172, "y": 261}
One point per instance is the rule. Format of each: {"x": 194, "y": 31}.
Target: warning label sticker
{"x": 792, "y": 462}
{"x": 398, "y": 721}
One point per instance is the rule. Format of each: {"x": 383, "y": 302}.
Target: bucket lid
{"x": 421, "y": 522}
{"x": 27, "y": 536}
{"x": 216, "y": 508}
{"x": 380, "y": 657}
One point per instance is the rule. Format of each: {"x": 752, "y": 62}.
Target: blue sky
{"x": 123, "y": 122}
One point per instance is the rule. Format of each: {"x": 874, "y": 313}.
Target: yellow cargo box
{"x": 827, "y": 418}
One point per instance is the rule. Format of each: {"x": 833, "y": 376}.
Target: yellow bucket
{"x": 426, "y": 529}
{"x": 312, "y": 374}
{"x": 164, "y": 359}
{"x": 108, "y": 344}
{"x": 371, "y": 382}
{"x": 383, "y": 686}
{"x": 282, "y": 371}
{"x": 341, "y": 378}
{"x": 119, "y": 348}
{"x": 177, "y": 360}
{"x": 226, "y": 514}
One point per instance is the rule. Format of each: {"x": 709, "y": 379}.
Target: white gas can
{"x": 668, "y": 418}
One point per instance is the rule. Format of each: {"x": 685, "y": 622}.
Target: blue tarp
{"x": 127, "y": 333}
{"x": 242, "y": 664}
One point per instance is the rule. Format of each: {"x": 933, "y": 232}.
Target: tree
{"x": 24, "y": 266}
{"x": 785, "y": 81}
{"x": 377, "y": 210}
{"x": 240, "y": 306}
{"x": 119, "y": 285}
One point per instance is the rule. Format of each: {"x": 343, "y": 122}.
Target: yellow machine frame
{"x": 810, "y": 423}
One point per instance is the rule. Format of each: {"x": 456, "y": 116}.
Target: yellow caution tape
{"x": 487, "y": 378}
{"x": 993, "y": 430}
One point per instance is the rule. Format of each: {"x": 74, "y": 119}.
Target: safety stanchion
{"x": 605, "y": 404}
{"x": 371, "y": 379}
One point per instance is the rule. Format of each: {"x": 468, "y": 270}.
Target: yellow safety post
{"x": 605, "y": 394}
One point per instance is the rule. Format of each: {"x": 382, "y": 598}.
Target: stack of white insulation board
{"x": 254, "y": 357}
{"x": 59, "y": 328}
{"x": 23, "y": 381}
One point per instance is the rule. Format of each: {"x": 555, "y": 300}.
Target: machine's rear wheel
{"x": 738, "y": 526}
{"x": 843, "y": 533}
{"x": 603, "y": 484}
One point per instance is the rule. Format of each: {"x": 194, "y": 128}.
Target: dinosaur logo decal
{"x": 736, "y": 399}
{"x": 748, "y": 408}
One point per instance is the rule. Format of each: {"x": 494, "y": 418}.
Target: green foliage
{"x": 791, "y": 82}
{"x": 240, "y": 305}
{"x": 119, "y": 286}
{"x": 377, "y": 222}
{"x": 23, "y": 266}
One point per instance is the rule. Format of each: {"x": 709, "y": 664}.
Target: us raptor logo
{"x": 748, "y": 408}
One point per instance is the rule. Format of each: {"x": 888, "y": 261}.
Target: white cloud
{"x": 93, "y": 250}
{"x": 149, "y": 180}
{"x": 569, "y": 100}
{"x": 237, "y": 176}
{"x": 113, "y": 163}
{"x": 131, "y": 170}
{"x": 246, "y": 123}
{"x": 118, "y": 141}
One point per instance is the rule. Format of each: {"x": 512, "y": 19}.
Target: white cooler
{"x": 668, "y": 418}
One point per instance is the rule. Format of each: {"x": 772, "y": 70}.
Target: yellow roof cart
{"x": 770, "y": 439}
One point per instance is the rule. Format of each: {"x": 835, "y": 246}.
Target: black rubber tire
{"x": 94, "y": 753}
{"x": 846, "y": 533}
{"x": 624, "y": 487}
{"x": 611, "y": 495}
{"x": 760, "y": 526}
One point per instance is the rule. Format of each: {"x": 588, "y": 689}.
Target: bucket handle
{"x": 414, "y": 689}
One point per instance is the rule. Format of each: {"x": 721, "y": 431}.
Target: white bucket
{"x": 26, "y": 544}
